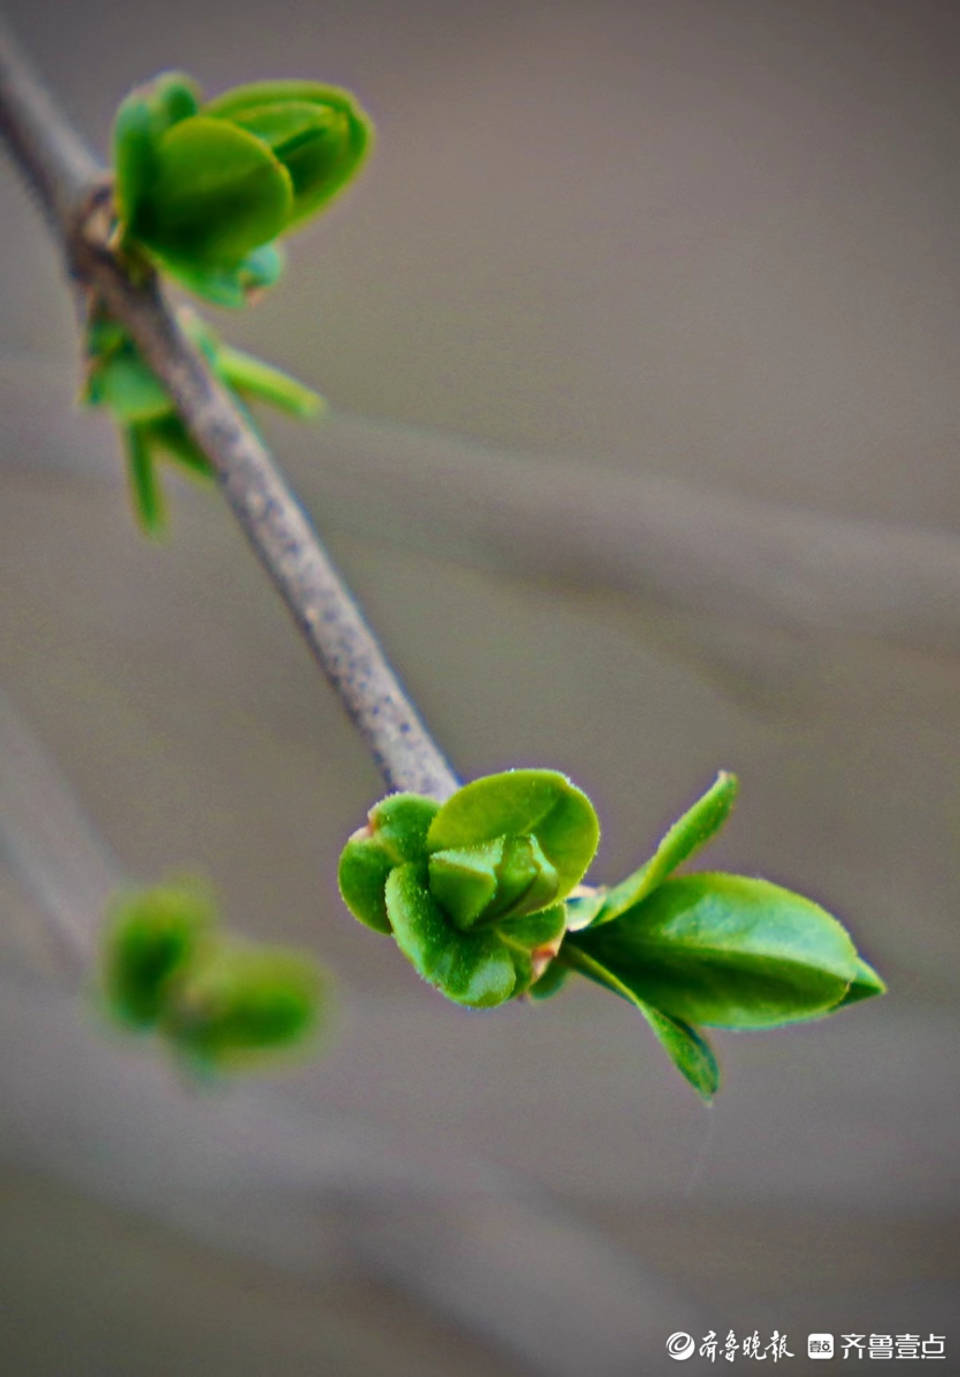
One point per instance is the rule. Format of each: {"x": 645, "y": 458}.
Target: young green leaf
{"x": 169, "y": 437}
{"x": 253, "y": 378}
{"x": 471, "y": 968}
{"x": 319, "y": 133}
{"x": 124, "y": 383}
{"x": 151, "y": 937}
{"x": 464, "y": 880}
{"x": 481, "y": 883}
{"x": 218, "y": 192}
{"x": 697, "y": 825}
{"x": 239, "y": 1003}
{"x": 686, "y": 1047}
{"x": 362, "y": 879}
{"x": 728, "y": 951}
{"x": 518, "y": 803}
{"x": 396, "y": 832}
{"x": 145, "y": 491}
{"x": 118, "y": 378}
{"x": 141, "y": 121}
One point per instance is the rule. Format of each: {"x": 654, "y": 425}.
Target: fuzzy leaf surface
{"x": 538, "y": 803}
{"x": 472, "y": 968}
{"x": 396, "y": 832}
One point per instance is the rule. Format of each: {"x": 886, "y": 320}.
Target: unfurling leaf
{"x": 540, "y": 804}
{"x": 205, "y": 190}
{"x": 217, "y": 193}
{"x": 141, "y": 121}
{"x": 319, "y": 134}
{"x": 697, "y": 825}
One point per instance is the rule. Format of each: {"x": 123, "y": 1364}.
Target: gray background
{"x": 708, "y": 242}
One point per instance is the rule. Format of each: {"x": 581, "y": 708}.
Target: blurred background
{"x": 641, "y": 337}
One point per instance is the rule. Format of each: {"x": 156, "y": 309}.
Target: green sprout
{"x": 206, "y": 190}
{"x": 482, "y": 894}
{"x": 118, "y": 379}
{"x": 219, "y": 1003}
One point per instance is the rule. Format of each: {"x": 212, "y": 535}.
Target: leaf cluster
{"x": 117, "y": 378}
{"x": 205, "y": 191}
{"x": 482, "y": 895}
{"x": 220, "y": 1003}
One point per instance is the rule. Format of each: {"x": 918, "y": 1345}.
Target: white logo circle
{"x": 681, "y": 1346}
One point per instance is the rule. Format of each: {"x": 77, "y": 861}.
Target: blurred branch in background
{"x": 679, "y": 547}
{"x": 252, "y": 1173}
{"x": 51, "y": 846}
{"x": 686, "y": 548}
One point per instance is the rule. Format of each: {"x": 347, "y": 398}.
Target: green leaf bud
{"x": 207, "y": 189}
{"x": 151, "y": 937}
{"x": 541, "y": 804}
{"x": 239, "y": 1004}
{"x": 471, "y": 889}
{"x": 494, "y": 879}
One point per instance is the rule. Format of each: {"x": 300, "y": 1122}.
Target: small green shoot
{"x": 483, "y": 896}
{"x": 206, "y": 190}
{"x": 168, "y": 967}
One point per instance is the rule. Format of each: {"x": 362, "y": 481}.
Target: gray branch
{"x": 76, "y": 198}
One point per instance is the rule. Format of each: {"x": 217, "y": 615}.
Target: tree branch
{"x": 76, "y": 197}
